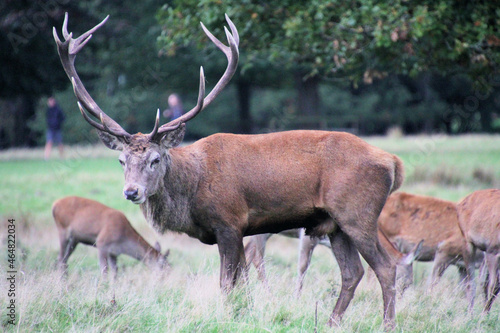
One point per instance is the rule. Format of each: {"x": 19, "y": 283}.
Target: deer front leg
{"x": 68, "y": 245}
{"x": 232, "y": 258}
{"x": 254, "y": 253}
{"x": 103, "y": 262}
{"x": 441, "y": 263}
{"x": 470, "y": 268}
{"x": 112, "y": 264}
{"x": 492, "y": 282}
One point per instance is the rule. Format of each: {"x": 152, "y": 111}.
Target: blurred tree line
{"x": 363, "y": 66}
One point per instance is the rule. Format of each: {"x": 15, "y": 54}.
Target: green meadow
{"x": 186, "y": 297}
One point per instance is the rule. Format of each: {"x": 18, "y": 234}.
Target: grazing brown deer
{"x": 408, "y": 218}
{"x": 81, "y": 220}
{"x": 479, "y": 218}
{"x": 256, "y": 245}
{"x": 224, "y": 187}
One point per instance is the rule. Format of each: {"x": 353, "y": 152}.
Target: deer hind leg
{"x": 68, "y": 245}
{"x": 232, "y": 257}
{"x": 351, "y": 271}
{"x": 355, "y": 211}
{"x": 385, "y": 270}
{"x": 492, "y": 282}
{"x": 306, "y": 248}
{"x": 365, "y": 239}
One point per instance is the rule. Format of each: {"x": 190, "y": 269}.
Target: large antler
{"x": 232, "y": 55}
{"x": 67, "y": 52}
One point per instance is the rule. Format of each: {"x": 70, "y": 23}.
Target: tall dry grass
{"x": 187, "y": 298}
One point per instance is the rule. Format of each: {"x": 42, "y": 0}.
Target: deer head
{"x": 162, "y": 260}
{"x": 145, "y": 157}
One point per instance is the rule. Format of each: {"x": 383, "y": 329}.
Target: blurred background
{"x": 405, "y": 67}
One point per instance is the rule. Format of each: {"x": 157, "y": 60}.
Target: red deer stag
{"x": 86, "y": 221}
{"x": 224, "y": 187}
{"x": 256, "y": 246}
{"x": 479, "y": 218}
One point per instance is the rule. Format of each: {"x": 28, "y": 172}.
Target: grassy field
{"x": 186, "y": 298}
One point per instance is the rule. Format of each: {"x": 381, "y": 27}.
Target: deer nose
{"x": 131, "y": 194}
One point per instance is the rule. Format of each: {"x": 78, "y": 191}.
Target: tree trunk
{"x": 486, "y": 118}
{"x": 244, "y": 89}
{"x": 22, "y": 135}
{"x": 428, "y": 99}
{"x": 308, "y": 100}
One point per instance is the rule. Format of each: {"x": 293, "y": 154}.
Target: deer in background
{"x": 479, "y": 218}
{"x": 406, "y": 221}
{"x": 81, "y": 220}
{"x": 256, "y": 245}
{"x": 408, "y": 218}
{"x": 225, "y": 186}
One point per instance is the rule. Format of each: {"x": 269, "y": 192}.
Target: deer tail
{"x": 399, "y": 174}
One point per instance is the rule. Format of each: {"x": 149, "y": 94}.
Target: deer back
{"x": 407, "y": 219}
{"x": 82, "y": 217}
{"x": 479, "y": 216}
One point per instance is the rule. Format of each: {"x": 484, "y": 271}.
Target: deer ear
{"x": 174, "y": 138}
{"x": 110, "y": 141}
{"x": 157, "y": 247}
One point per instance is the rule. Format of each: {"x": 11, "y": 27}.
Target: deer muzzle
{"x": 134, "y": 193}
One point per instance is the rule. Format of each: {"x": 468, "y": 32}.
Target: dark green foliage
{"x": 425, "y": 66}
{"x": 357, "y": 39}
{"x": 416, "y": 65}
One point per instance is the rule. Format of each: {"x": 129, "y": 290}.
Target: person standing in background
{"x": 55, "y": 119}
{"x": 175, "y": 109}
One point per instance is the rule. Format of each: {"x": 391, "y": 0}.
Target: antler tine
{"x": 67, "y": 50}
{"x": 66, "y": 35}
{"x": 87, "y": 35}
{"x": 115, "y": 129}
{"x": 155, "y": 129}
{"x": 232, "y": 55}
{"x": 100, "y": 126}
{"x": 88, "y": 119}
{"x": 234, "y": 31}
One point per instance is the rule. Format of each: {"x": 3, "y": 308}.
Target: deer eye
{"x": 122, "y": 162}
{"x": 155, "y": 162}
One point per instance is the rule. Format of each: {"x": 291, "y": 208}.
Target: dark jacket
{"x": 55, "y": 118}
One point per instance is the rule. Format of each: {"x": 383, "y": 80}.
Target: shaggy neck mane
{"x": 169, "y": 207}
